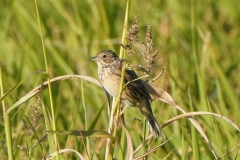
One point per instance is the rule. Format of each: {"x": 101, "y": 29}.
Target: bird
{"x": 134, "y": 93}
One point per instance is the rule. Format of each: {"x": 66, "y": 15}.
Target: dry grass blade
{"x": 129, "y": 144}
{"x": 45, "y": 84}
{"x": 162, "y": 95}
{"x": 197, "y": 114}
{"x": 200, "y": 130}
{"x": 60, "y": 78}
{"x": 39, "y": 142}
{"x": 159, "y": 93}
{"x": 141, "y": 145}
{"x": 238, "y": 146}
{"x": 152, "y": 150}
{"x": 64, "y": 151}
{"x": 20, "y": 83}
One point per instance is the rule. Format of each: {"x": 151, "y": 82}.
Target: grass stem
{"x": 49, "y": 84}
{"x": 7, "y": 122}
{"x": 117, "y": 101}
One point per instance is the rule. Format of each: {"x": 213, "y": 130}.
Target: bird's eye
{"x": 104, "y": 56}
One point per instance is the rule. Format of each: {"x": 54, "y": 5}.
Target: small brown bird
{"x": 134, "y": 94}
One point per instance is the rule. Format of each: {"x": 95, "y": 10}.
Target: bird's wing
{"x": 136, "y": 84}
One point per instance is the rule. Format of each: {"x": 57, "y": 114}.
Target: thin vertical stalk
{"x": 199, "y": 75}
{"x": 7, "y": 122}
{"x": 183, "y": 155}
{"x": 122, "y": 55}
{"x": 49, "y": 84}
{"x": 116, "y": 102}
{"x": 111, "y": 142}
{"x": 195, "y": 147}
{"x": 85, "y": 119}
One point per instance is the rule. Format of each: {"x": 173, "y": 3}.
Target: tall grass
{"x": 199, "y": 47}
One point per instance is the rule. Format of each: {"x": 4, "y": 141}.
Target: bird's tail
{"x": 155, "y": 129}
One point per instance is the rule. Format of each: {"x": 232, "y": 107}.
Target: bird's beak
{"x": 95, "y": 58}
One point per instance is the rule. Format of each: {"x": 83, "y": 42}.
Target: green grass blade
{"x": 195, "y": 145}
{"x": 7, "y": 122}
{"x": 96, "y": 118}
{"x": 47, "y": 122}
{"x": 94, "y": 133}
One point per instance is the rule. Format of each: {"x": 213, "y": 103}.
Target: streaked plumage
{"x": 134, "y": 94}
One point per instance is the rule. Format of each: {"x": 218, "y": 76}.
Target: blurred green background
{"x": 206, "y": 67}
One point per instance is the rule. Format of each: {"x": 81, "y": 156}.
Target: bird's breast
{"x": 110, "y": 81}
